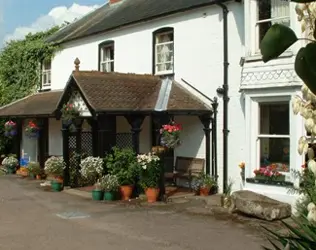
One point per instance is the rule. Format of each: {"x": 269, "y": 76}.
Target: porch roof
{"x": 39, "y": 104}
{"x": 119, "y": 92}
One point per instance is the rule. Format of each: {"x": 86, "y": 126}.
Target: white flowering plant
{"x": 55, "y": 165}
{"x": 91, "y": 168}
{"x": 109, "y": 183}
{"x": 150, "y": 170}
{"x": 10, "y": 162}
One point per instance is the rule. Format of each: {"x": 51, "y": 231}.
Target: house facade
{"x": 183, "y": 42}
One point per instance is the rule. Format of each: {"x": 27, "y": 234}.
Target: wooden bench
{"x": 186, "y": 168}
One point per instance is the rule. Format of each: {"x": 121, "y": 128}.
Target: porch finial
{"x": 77, "y": 64}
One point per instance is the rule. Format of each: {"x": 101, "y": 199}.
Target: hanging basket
{"x": 10, "y": 129}
{"x": 32, "y": 135}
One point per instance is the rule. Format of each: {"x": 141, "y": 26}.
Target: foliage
{"x": 109, "y": 183}
{"x": 123, "y": 164}
{"x": 269, "y": 172}
{"x": 69, "y": 112}
{"x": 55, "y": 165}
{"x": 150, "y": 170}
{"x": 19, "y": 71}
{"x": 170, "y": 135}
{"x": 10, "y": 162}
{"x": 204, "y": 180}
{"x": 91, "y": 168}
{"x": 301, "y": 236}
{"x": 34, "y": 167}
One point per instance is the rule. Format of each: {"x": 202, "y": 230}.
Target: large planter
{"x": 204, "y": 191}
{"x": 274, "y": 178}
{"x": 108, "y": 196}
{"x": 126, "y": 192}
{"x": 97, "y": 195}
{"x": 56, "y": 186}
{"x": 152, "y": 194}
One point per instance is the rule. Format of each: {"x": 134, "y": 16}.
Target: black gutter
{"x": 224, "y": 91}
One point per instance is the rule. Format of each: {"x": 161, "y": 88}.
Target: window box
{"x": 265, "y": 178}
{"x": 269, "y": 182}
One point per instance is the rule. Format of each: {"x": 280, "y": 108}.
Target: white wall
{"x": 198, "y": 59}
{"x": 55, "y": 137}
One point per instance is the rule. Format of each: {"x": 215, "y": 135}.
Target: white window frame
{"x": 252, "y": 125}
{"x": 108, "y": 61}
{"x": 165, "y": 72}
{"x": 253, "y": 26}
{"x": 47, "y": 74}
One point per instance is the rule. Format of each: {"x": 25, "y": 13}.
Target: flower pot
{"x": 10, "y": 170}
{"x": 152, "y": 194}
{"x": 38, "y": 177}
{"x": 108, "y": 196}
{"x": 97, "y": 195}
{"x": 56, "y": 186}
{"x": 126, "y": 192}
{"x": 204, "y": 191}
{"x": 32, "y": 176}
{"x": 59, "y": 179}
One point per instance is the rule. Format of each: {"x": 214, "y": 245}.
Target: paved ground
{"x": 29, "y": 220}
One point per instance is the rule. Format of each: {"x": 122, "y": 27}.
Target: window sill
{"x": 165, "y": 75}
{"x": 269, "y": 182}
{"x": 258, "y": 57}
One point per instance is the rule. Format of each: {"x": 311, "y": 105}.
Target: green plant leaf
{"x": 277, "y": 39}
{"x": 305, "y": 65}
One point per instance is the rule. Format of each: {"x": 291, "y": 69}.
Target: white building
{"x": 184, "y": 40}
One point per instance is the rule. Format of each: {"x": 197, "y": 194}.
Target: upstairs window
{"x": 268, "y": 13}
{"x": 46, "y": 73}
{"x": 163, "y": 51}
{"x": 106, "y": 55}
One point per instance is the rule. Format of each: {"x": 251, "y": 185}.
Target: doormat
{"x": 73, "y": 215}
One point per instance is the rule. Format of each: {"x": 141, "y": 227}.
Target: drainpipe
{"x": 224, "y": 92}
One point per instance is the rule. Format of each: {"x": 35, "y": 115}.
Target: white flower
{"x": 91, "y": 167}
{"x": 296, "y": 105}
{"x": 302, "y": 145}
{"x": 312, "y": 166}
{"x": 309, "y": 124}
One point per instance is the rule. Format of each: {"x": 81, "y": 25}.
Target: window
{"x": 106, "y": 56}
{"x": 46, "y": 73}
{"x": 163, "y": 51}
{"x": 268, "y": 13}
{"x": 274, "y": 135}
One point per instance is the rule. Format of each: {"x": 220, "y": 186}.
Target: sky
{"x": 19, "y": 17}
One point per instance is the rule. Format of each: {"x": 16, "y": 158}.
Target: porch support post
{"x": 65, "y": 134}
{"x": 206, "y": 121}
{"x": 18, "y": 138}
{"x": 78, "y": 125}
{"x": 136, "y": 122}
{"x": 42, "y": 141}
{"x": 106, "y": 135}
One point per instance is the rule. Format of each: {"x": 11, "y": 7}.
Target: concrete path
{"x": 36, "y": 220}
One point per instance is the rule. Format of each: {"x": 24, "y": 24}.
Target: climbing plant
{"x": 19, "y": 69}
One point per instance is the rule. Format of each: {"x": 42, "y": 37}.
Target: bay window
{"x": 273, "y": 139}
{"x": 268, "y": 12}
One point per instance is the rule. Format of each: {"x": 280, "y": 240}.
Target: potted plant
{"x": 69, "y": 112}
{"x": 123, "y": 164}
{"x": 32, "y": 130}
{"x": 150, "y": 171}
{"x": 204, "y": 183}
{"x": 109, "y": 184}
{"x": 54, "y": 166}
{"x": 170, "y": 135}
{"x": 91, "y": 169}
{"x": 10, "y": 129}
{"x": 10, "y": 163}
{"x": 97, "y": 193}
{"x": 269, "y": 173}
{"x": 34, "y": 169}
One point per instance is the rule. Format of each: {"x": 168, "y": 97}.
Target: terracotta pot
{"x": 126, "y": 192}
{"x": 152, "y": 194}
{"x": 204, "y": 191}
{"x": 38, "y": 177}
